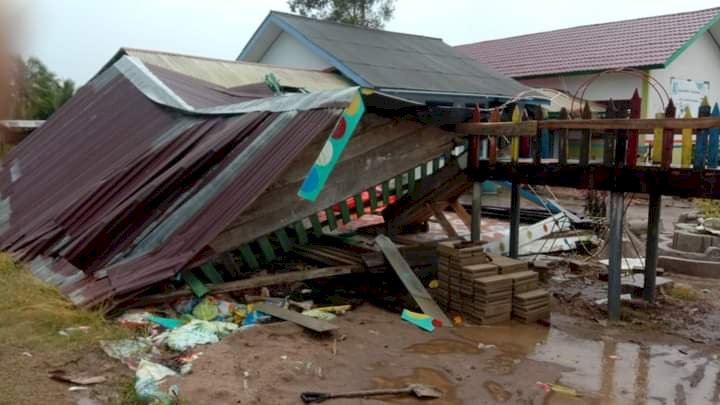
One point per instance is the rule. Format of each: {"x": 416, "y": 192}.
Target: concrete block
{"x": 699, "y": 268}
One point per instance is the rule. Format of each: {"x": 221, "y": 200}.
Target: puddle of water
{"x": 443, "y": 346}
{"x": 603, "y": 370}
{"x": 426, "y": 376}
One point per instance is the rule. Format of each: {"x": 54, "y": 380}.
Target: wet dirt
{"x": 273, "y": 364}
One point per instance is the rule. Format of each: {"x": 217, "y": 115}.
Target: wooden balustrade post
{"x": 609, "y": 137}
{"x": 563, "y": 139}
{"x": 668, "y": 137}
{"x": 714, "y": 141}
{"x": 701, "y": 143}
{"x": 586, "y": 137}
{"x": 633, "y": 135}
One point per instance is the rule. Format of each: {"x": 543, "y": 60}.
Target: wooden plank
{"x": 657, "y": 141}
{"x": 249, "y": 257}
{"x": 332, "y": 222}
{"x": 411, "y": 181}
{"x": 211, "y": 273}
{"x": 435, "y": 165}
{"x": 410, "y": 280}
{"x": 642, "y": 124}
{"x": 507, "y": 129}
{"x": 634, "y": 135}
{"x": 437, "y": 210}
{"x": 230, "y": 265}
{"x": 284, "y": 240}
{"x": 701, "y": 146}
{"x": 250, "y": 283}
{"x": 267, "y": 249}
{"x": 316, "y": 225}
{"x": 386, "y": 193}
{"x": 359, "y": 205}
{"x": 317, "y": 325}
{"x": 563, "y": 139}
{"x": 372, "y": 193}
{"x": 423, "y": 170}
{"x": 495, "y": 117}
{"x": 668, "y": 137}
{"x": 461, "y": 213}
{"x": 585, "y": 137}
{"x": 196, "y": 286}
{"x": 399, "y": 186}
{"x": 301, "y": 233}
{"x": 345, "y": 212}
{"x": 687, "y": 142}
{"x": 610, "y": 137}
{"x": 515, "y": 142}
{"x": 714, "y": 141}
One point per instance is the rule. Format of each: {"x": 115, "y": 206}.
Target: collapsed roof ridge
{"x": 212, "y": 59}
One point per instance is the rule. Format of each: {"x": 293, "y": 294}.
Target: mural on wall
{"x": 332, "y": 150}
{"x": 688, "y": 93}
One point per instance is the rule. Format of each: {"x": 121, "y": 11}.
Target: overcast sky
{"x": 76, "y": 37}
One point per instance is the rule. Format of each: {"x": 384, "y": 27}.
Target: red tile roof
{"x": 631, "y": 43}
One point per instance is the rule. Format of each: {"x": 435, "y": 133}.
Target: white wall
{"x": 700, "y": 62}
{"x": 287, "y": 51}
{"x": 617, "y": 86}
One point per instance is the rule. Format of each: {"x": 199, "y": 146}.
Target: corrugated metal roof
{"x": 641, "y": 42}
{"x": 229, "y": 73}
{"x": 128, "y": 182}
{"x": 389, "y": 60}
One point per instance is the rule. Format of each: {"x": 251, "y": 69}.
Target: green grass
{"x": 684, "y": 293}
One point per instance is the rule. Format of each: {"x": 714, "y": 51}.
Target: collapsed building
{"x": 163, "y": 162}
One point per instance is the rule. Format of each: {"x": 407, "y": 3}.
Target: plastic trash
{"x": 127, "y": 350}
{"x": 148, "y": 378}
{"x": 198, "y": 332}
{"x": 206, "y": 310}
{"x": 186, "y": 305}
{"x": 560, "y": 389}
{"x": 167, "y": 323}
{"x": 422, "y": 321}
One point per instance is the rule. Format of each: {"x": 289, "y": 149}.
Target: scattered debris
{"x": 318, "y": 325}
{"x": 61, "y": 375}
{"x": 422, "y": 321}
{"x": 148, "y": 378}
{"x": 198, "y": 332}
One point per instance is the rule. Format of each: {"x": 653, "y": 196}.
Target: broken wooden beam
{"x": 509, "y": 129}
{"x": 253, "y": 282}
{"x": 426, "y": 303}
{"x": 529, "y": 128}
{"x": 317, "y": 325}
{"x": 439, "y": 214}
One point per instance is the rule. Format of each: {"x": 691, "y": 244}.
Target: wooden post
{"x": 657, "y": 145}
{"x": 621, "y": 140}
{"x": 546, "y": 139}
{"x": 687, "y": 143}
{"x": 668, "y": 137}
{"x": 476, "y": 220}
{"x": 701, "y": 144}
{"x": 586, "y": 137}
{"x": 515, "y": 142}
{"x": 514, "y": 219}
{"x": 563, "y": 149}
{"x": 617, "y": 207}
{"x": 714, "y": 142}
{"x": 632, "y": 143}
{"x": 492, "y": 141}
{"x": 609, "y": 137}
{"x": 651, "y": 248}
{"x": 537, "y": 143}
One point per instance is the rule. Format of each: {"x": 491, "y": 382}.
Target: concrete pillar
{"x": 615, "y": 223}
{"x": 651, "y": 249}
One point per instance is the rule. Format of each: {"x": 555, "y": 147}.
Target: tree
{"x": 366, "y": 13}
{"x": 41, "y": 92}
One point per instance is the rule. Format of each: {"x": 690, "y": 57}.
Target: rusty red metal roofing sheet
{"x": 630, "y": 43}
{"x": 116, "y": 192}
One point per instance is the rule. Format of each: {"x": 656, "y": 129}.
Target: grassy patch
{"x": 32, "y": 315}
{"x": 684, "y": 293}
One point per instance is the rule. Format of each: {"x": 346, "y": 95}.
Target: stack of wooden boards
{"x": 487, "y": 288}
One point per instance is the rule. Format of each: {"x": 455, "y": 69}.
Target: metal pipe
{"x": 475, "y": 222}
{"x": 651, "y": 249}
{"x": 514, "y": 219}
{"x": 617, "y": 206}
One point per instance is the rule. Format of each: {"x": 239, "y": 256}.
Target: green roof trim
{"x": 692, "y": 40}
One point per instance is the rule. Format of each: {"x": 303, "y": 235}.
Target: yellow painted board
{"x": 515, "y": 143}
{"x": 657, "y": 142}
{"x": 687, "y": 142}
